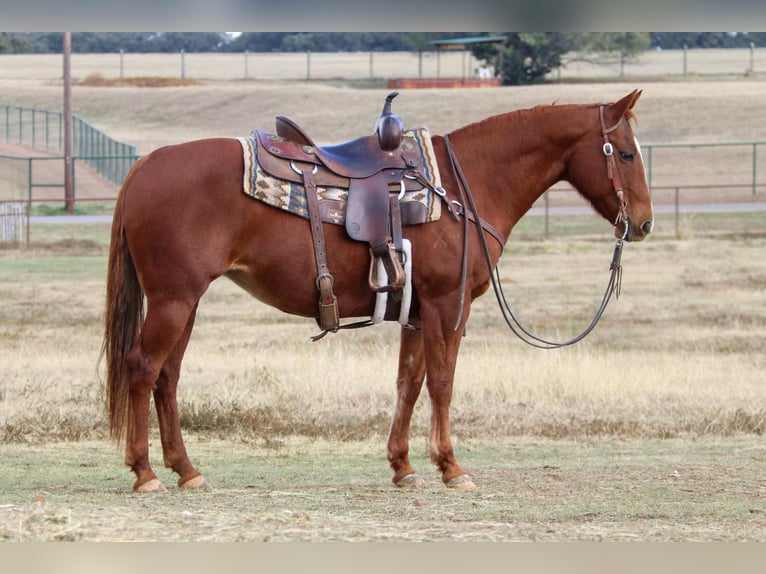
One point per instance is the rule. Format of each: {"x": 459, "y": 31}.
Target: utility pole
{"x": 68, "y": 137}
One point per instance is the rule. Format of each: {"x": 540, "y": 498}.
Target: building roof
{"x": 458, "y": 43}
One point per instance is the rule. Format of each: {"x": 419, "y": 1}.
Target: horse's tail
{"x": 123, "y": 316}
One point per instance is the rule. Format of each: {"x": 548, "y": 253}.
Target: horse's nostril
{"x": 647, "y": 227}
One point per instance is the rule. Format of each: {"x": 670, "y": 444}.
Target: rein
{"x": 615, "y": 276}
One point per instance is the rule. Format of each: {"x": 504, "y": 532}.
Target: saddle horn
{"x": 389, "y": 127}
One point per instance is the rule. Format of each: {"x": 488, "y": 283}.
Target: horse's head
{"x": 606, "y": 167}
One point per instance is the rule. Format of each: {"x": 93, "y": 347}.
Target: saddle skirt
{"x": 418, "y": 204}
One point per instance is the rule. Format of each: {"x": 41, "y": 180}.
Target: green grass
{"x": 309, "y": 490}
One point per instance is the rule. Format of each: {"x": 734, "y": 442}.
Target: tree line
{"x": 526, "y": 57}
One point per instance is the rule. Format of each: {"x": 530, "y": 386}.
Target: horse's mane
{"x": 513, "y": 117}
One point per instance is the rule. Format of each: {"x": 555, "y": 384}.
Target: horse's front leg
{"x": 409, "y": 382}
{"x": 441, "y": 346}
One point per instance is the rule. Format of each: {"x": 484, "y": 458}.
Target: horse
{"x": 181, "y": 221}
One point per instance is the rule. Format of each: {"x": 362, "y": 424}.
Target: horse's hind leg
{"x": 409, "y": 382}
{"x": 165, "y": 324}
{"x": 173, "y": 449}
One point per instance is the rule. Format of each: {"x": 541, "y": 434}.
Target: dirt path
{"x": 90, "y": 185}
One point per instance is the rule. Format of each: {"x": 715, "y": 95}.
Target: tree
{"x": 527, "y": 57}
{"x": 11, "y": 44}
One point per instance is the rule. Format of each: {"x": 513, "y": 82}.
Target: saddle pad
{"x": 418, "y": 206}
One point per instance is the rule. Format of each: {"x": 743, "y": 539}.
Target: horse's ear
{"x": 620, "y": 108}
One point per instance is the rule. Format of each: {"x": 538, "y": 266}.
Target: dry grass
{"x": 669, "y": 112}
{"x": 700, "y": 63}
{"x": 222, "y": 67}
{"x": 680, "y": 354}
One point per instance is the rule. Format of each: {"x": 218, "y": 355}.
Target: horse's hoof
{"x": 411, "y": 481}
{"x": 153, "y": 485}
{"x": 196, "y": 483}
{"x": 463, "y": 482}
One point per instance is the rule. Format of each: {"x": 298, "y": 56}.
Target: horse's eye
{"x": 626, "y": 155}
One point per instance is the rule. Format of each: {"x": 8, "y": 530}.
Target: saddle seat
{"x": 359, "y": 158}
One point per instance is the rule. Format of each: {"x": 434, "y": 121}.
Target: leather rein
{"x": 615, "y": 276}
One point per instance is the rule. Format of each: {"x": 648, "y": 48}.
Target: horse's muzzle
{"x": 633, "y": 233}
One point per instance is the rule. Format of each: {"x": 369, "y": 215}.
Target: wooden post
{"x": 68, "y": 137}
{"x": 372, "y": 74}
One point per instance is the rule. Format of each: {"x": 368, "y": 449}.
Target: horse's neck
{"x": 510, "y": 160}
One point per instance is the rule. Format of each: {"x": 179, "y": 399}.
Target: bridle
{"x": 615, "y": 276}
{"x": 612, "y": 173}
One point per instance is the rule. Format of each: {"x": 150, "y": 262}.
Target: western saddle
{"x": 375, "y": 169}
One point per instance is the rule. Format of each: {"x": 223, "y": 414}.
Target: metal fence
{"x": 44, "y": 130}
{"x": 35, "y": 179}
{"x": 369, "y": 65}
{"x": 705, "y": 164}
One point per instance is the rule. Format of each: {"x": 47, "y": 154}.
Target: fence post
{"x": 677, "y": 208}
{"x": 685, "y": 55}
{"x": 246, "y": 64}
{"x": 29, "y": 180}
{"x": 755, "y": 165}
{"x": 122, "y": 62}
{"x": 649, "y": 166}
{"x": 308, "y": 64}
{"x": 752, "y": 57}
{"x": 371, "y": 66}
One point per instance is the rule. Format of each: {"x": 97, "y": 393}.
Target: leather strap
{"x": 329, "y": 319}
{"x": 461, "y": 212}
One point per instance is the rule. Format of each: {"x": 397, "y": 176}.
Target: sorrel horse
{"x": 181, "y": 221}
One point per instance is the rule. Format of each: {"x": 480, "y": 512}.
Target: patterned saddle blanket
{"x": 417, "y": 205}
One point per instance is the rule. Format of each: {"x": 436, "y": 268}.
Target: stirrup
{"x": 392, "y": 266}
{"x": 329, "y": 318}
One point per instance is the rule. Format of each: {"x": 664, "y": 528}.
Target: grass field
{"x": 651, "y": 429}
